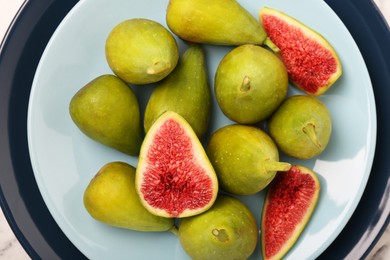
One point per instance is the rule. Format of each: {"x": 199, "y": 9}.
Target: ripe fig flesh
{"x": 174, "y": 177}
{"x": 312, "y": 63}
{"x": 288, "y": 206}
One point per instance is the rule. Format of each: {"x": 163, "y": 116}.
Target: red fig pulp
{"x": 312, "y": 63}
{"x": 174, "y": 177}
{"x": 288, "y": 206}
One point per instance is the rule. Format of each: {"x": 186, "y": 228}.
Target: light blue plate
{"x": 64, "y": 160}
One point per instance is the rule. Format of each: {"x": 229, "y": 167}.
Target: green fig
{"x": 245, "y": 158}
{"x": 301, "y": 127}
{"x": 228, "y": 230}
{"x": 111, "y": 198}
{"x": 141, "y": 51}
{"x": 220, "y": 22}
{"x": 250, "y": 83}
{"x": 185, "y": 91}
{"x": 107, "y": 110}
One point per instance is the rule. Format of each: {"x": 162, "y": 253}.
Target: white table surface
{"x": 10, "y": 248}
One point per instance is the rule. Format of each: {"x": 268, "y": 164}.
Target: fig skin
{"x": 228, "y": 230}
{"x": 107, "y": 110}
{"x": 301, "y": 127}
{"x": 298, "y": 192}
{"x": 219, "y": 22}
{"x": 174, "y": 177}
{"x": 245, "y": 159}
{"x": 141, "y": 51}
{"x": 111, "y": 198}
{"x": 250, "y": 83}
{"x": 186, "y": 91}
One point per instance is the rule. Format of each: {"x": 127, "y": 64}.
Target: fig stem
{"x": 220, "y": 234}
{"x": 174, "y": 230}
{"x": 158, "y": 67}
{"x": 246, "y": 84}
{"x": 270, "y": 44}
{"x": 276, "y": 166}
{"x": 310, "y": 130}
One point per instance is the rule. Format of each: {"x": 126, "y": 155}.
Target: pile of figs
{"x": 188, "y": 181}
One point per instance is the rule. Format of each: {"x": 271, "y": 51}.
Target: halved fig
{"x": 288, "y": 206}
{"x": 312, "y": 63}
{"x": 174, "y": 177}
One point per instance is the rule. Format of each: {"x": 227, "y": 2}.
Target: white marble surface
{"x": 11, "y": 249}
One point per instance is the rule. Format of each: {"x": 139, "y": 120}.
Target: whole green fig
{"x": 245, "y": 158}
{"x": 228, "y": 230}
{"x": 185, "y": 91}
{"x": 141, "y": 51}
{"x": 301, "y": 127}
{"x": 111, "y": 198}
{"x": 221, "y": 22}
{"x": 250, "y": 83}
{"x": 107, "y": 110}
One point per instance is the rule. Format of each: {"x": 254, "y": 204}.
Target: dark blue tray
{"x": 20, "y": 198}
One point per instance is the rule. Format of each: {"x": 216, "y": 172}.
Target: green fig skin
{"x": 185, "y": 91}
{"x": 301, "y": 127}
{"x": 219, "y": 22}
{"x": 111, "y": 198}
{"x": 250, "y": 83}
{"x": 228, "y": 230}
{"x": 107, "y": 110}
{"x": 245, "y": 159}
{"x": 141, "y": 51}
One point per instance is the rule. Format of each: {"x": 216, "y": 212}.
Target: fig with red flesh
{"x": 174, "y": 177}
{"x": 312, "y": 63}
{"x": 288, "y": 206}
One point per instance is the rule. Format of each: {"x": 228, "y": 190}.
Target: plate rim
{"x": 9, "y": 214}
{"x": 43, "y": 178}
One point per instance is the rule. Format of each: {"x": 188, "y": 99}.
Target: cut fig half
{"x": 174, "y": 177}
{"x": 289, "y": 204}
{"x": 312, "y": 63}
